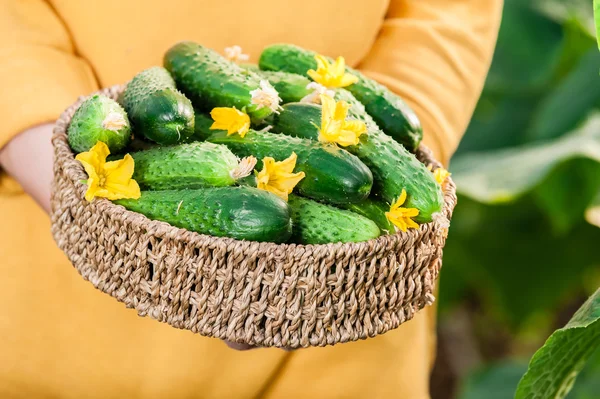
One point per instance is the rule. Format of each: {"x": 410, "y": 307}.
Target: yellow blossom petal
{"x": 110, "y": 180}
{"x": 230, "y": 119}
{"x": 440, "y": 175}
{"x": 341, "y": 110}
{"x": 331, "y": 75}
{"x": 402, "y": 217}
{"x": 334, "y": 126}
{"x": 278, "y": 177}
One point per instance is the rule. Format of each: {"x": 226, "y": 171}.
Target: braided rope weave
{"x": 264, "y": 294}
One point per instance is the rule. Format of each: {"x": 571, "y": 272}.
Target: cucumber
{"x": 388, "y": 110}
{"x": 99, "y": 118}
{"x": 193, "y": 165}
{"x": 394, "y": 168}
{"x": 374, "y": 210}
{"x": 332, "y": 174}
{"x": 157, "y": 110}
{"x": 202, "y": 126}
{"x": 243, "y": 213}
{"x": 250, "y": 67}
{"x": 210, "y": 80}
{"x": 290, "y": 86}
{"x": 316, "y": 223}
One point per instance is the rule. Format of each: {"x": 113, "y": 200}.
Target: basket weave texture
{"x": 264, "y": 294}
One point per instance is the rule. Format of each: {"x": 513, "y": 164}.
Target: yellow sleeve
{"x": 436, "y": 54}
{"x": 40, "y": 74}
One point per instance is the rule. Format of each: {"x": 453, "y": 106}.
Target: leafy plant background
{"x": 524, "y": 248}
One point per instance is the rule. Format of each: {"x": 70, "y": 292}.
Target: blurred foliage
{"x": 554, "y": 367}
{"x": 528, "y": 168}
{"x": 523, "y": 239}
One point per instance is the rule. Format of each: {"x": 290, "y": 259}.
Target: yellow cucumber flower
{"x": 440, "y": 174}
{"x": 230, "y": 119}
{"x": 331, "y": 75}
{"x": 334, "y": 126}
{"x": 110, "y": 180}
{"x": 278, "y": 177}
{"x": 402, "y": 217}
{"x": 235, "y": 54}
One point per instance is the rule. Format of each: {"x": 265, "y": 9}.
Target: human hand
{"x": 28, "y": 159}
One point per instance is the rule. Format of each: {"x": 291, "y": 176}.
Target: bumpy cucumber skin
{"x": 86, "y": 127}
{"x": 243, "y": 213}
{"x": 373, "y": 210}
{"x": 332, "y": 175}
{"x": 210, "y": 80}
{"x": 316, "y": 223}
{"x": 388, "y": 110}
{"x": 193, "y": 165}
{"x": 158, "y": 111}
{"x": 394, "y": 167}
{"x": 290, "y": 86}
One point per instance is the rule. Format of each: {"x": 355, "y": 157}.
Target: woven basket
{"x": 263, "y": 294}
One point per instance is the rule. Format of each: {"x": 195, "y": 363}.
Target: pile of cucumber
{"x": 188, "y": 173}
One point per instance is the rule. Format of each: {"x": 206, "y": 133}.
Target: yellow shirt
{"x": 62, "y": 338}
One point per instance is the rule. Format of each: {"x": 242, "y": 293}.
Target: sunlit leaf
{"x": 504, "y": 175}
{"x": 554, "y": 367}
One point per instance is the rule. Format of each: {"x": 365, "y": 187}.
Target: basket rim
{"x": 74, "y": 171}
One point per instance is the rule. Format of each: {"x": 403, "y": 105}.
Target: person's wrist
{"x": 28, "y": 159}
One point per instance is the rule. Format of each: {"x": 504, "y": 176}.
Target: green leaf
{"x": 555, "y": 366}
{"x": 572, "y": 100}
{"x": 504, "y": 175}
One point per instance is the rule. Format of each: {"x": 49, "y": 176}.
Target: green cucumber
{"x": 243, "y": 213}
{"x": 250, "y": 67}
{"x": 158, "y": 111}
{"x": 99, "y": 119}
{"x": 202, "y": 127}
{"x": 210, "y": 80}
{"x": 290, "y": 86}
{"x": 316, "y": 223}
{"x": 388, "y": 110}
{"x": 374, "y": 210}
{"x": 332, "y": 174}
{"x": 394, "y": 168}
{"x": 193, "y": 165}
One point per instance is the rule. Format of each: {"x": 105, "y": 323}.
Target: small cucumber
{"x": 210, "y": 80}
{"x": 243, "y": 213}
{"x": 290, "y": 86}
{"x": 393, "y": 167}
{"x": 157, "y": 110}
{"x": 193, "y": 165}
{"x": 374, "y": 210}
{"x": 332, "y": 174}
{"x": 388, "y": 110}
{"x": 315, "y": 223}
{"x": 99, "y": 119}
